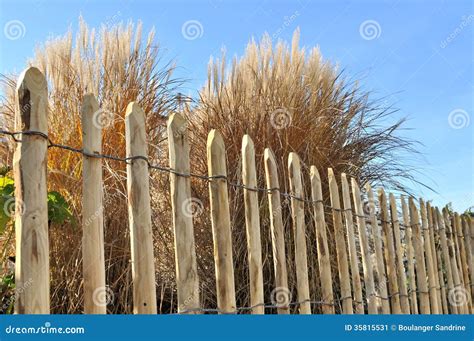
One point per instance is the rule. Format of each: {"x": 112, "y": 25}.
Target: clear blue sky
{"x": 419, "y": 53}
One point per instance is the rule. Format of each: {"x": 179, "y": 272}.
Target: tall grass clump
{"x": 290, "y": 99}
{"x": 118, "y": 65}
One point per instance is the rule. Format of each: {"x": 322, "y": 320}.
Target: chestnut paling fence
{"x": 393, "y": 255}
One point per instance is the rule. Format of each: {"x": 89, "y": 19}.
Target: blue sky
{"x": 418, "y": 54}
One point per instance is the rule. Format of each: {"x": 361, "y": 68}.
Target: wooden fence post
{"x": 402, "y": 280}
{"x": 410, "y": 253}
{"x": 429, "y": 260}
{"x": 446, "y": 258}
{"x": 470, "y": 258}
{"x": 278, "y": 234}
{"x": 365, "y": 250}
{"x": 420, "y": 259}
{"x": 31, "y": 207}
{"x": 434, "y": 256}
{"x": 380, "y": 264}
{"x": 299, "y": 231}
{"x": 93, "y": 262}
{"x": 141, "y": 237}
{"x": 187, "y": 280}
{"x": 343, "y": 265}
{"x": 220, "y": 218}
{"x": 439, "y": 261}
{"x": 252, "y": 223}
{"x": 354, "y": 260}
{"x": 389, "y": 254}
{"x": 322, "y": 243}
{"x": 464, "y": 264}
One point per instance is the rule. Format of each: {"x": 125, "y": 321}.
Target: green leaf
{"x": 58, "y": 208}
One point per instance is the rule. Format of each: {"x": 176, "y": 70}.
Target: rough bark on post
{"x": 281, "y": 291}
{"x": 220, "y": 219}
{"x": 139, "y": 211}
{"x": 324, "y": 261}
{"x": 446, "y": 258}
{"x": 429, "y": 260}
{"x": 365, "y": 249}
{"x": 420, "y": 259}
{"x": 389, "y": 254}
{"x": 470, "y": 258}
{"x": 343, "y": 265}
{"x": 464, "y": 261}
{"x": 93, "y": 262}
{"x": 252, "y": 223}
{"x": 410, "y": 254}
{"x": 402, "y": 280}
{"x": 440, "y": 267}
{"x": 183, "y": 207}
{"x": 354, "y": 260}
{"x": 299, "y": 231}
{"x": 380, "y": 264}
{"x": 31, "y": 208}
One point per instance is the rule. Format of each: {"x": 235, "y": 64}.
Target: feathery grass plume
{"x": 118, "y": 65}
{"x": 292, "y": 100}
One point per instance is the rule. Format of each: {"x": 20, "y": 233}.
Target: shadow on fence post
{"x": 141, "y": 237}
{"x": 187, "y": 280}
{"x": 93, "y": 263}
{"x": 31, "y": 207}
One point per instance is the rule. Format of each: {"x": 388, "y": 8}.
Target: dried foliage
{"x": 285, "y": 98}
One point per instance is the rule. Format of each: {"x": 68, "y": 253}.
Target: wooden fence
{"x": 393, "y": 255}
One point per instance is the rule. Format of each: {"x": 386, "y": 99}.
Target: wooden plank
{"x": 379, "y": 258}
{"x": 440, "y": 266}
{"x": 93, "y": 262}
{"x": 278, "y": 234}
{"x": 410, "y": 254}
{"x": 365, "y": 249}
{"x": 31, "y": 208}
{"x": 343, "y": 265}
{"x": 429, "y": 261}
{"x": 187, "y": 280}
{"x": 402, "y": 280}
{"x": 139, "y": 211}
{"x": 252, "y": 223}
{"x": 431, "y": 229}
{"x": 389, "y": 254}
{"x": 324, "y": 261}
{"x": 470, "y": 258}
{"x": 421, "y": 281}
{"x": 464, "y": 269}
{"x": 220, "y": 218}
{"x": 299, "y": 231}
{"x": 453, "y": 309}
{"x": 354, "y": 260}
